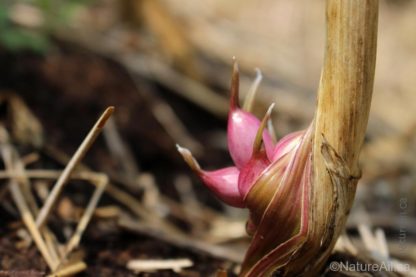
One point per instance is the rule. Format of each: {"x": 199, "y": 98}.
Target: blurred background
{"x": 166, "y": 67}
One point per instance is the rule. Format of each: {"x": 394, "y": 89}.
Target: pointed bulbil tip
{"x": 242, "y": 128}
{"x": 258, "y": 141}
{"x": 189, "y": 159}
{"x": 223, "y": 182}
{"x": 235, "y": 83}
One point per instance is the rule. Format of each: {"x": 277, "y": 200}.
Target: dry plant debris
{"x": 55, "y": 254}
{"x": 154, "y": 265}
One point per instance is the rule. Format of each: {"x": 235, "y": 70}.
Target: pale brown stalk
{"x": 344, "y": 99}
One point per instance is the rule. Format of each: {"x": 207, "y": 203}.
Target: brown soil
{"x": 67, "y": 89}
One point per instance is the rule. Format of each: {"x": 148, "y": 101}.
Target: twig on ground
{"x": 181, "y": 240}
{"x": 98, "y": 179}
{"x": 125, "y": 198}
{"x": 138, "y": 209}
{"x": 26, "y": 214}
{"x": 18, "y": 166}
{"x": 70, "y": 269}
{"x": 86, "y": 217}
{"x": 31, "y": 225}
{"x": 106, "y": 212}
{"x": 23, "y": 196}
{"x": 175, "y": 208}
{"x": 14, "y": 163}
{"x": 121, "y": 196}
{"x": 73, "y": 162}
{"x": 154, "y": 265}
{"x": 30, "y": 158}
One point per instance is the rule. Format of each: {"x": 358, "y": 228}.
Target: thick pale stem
{"x": 344, "y": 100}
{"x": 346, "y": 86}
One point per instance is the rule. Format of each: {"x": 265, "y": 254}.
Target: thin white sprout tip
{"x": 259, "y": 75}
{"x": 188, "y": 157}
{"x": 270, "y": 109}
{"x": 182, "y": 149}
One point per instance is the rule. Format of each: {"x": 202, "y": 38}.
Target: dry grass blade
{"x": 17, "y": 164}
{"x": 116, "y": 193}
{"x": 75, "y": 239}
{"x": 70, "y": 270}
{"x": 51, "y": 174}
{"x": 98, "y": 179}
{"x": 20, "y": 190}
{"x": 79, "y": 154}
{"x": 181, "y": 240}
{"x": 31, "y": 225}
{"x": 121, "y": 196}
{"x": 25, "y": 212}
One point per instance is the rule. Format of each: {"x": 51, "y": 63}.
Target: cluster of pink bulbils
{"x": 251, "y": 156}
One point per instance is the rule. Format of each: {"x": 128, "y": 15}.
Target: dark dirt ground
{"x": 67, "y": 90}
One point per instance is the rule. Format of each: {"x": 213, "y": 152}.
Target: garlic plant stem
{"x": 344, "y": 99}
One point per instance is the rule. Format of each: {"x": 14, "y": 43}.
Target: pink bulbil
{"x": 251, "y": 156}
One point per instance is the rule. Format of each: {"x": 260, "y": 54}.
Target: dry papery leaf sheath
{"x": 299, "y": 190}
